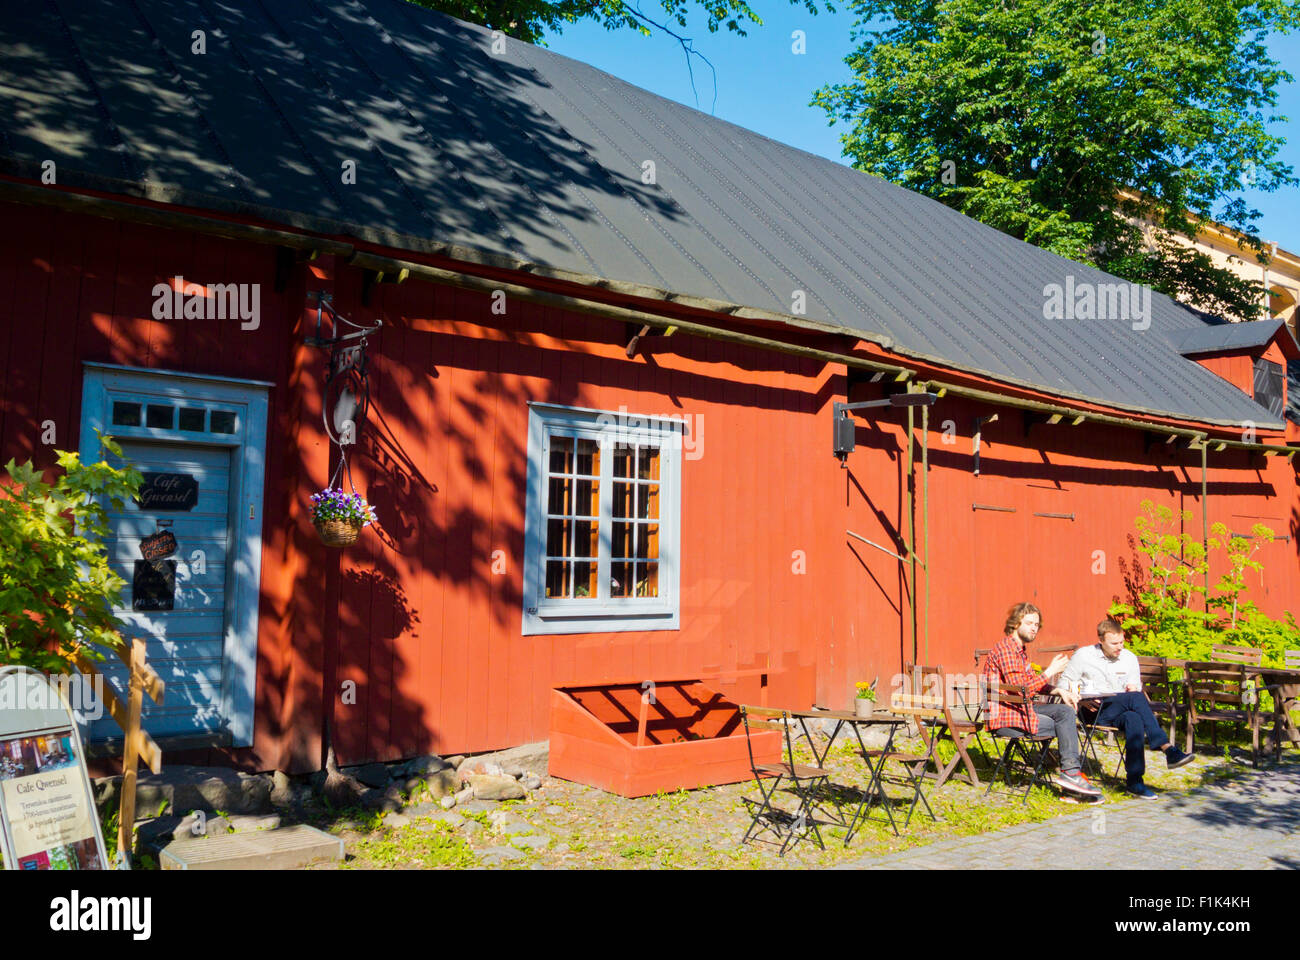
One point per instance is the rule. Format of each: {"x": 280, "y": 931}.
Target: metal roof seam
{"x": 347, "y": 113}
{"x": 739, "y": 196}
{"x": 650, "y": 218}
{"x": 240, "y": 61}
{"x": 241, "y": 182}
{"x": 958, "y": 308}
{"x": 902, "y": 313}
{"x": 421, "y": 131}
{"x": 132, "y": 166}
{"x": 811, "y": 216}
{"x": 703, "y": 196}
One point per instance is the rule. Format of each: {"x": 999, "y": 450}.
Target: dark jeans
{"x": 1131, "y": 714}
{"x": 1057, "y": 720}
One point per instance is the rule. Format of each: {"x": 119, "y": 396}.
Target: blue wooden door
{"x": 178, "y": 604}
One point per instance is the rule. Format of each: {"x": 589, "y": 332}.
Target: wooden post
{"x": 642, "y": 718}
{"x": 137, "y": 745}
{"x": 131, "y": 752}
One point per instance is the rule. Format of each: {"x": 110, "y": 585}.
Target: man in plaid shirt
{"x": 1008, "y": 664}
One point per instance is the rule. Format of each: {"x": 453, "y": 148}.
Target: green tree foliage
{"x": 1060, "y": 123}
{"x": 529, "y": 20}
{"x": 1167, "y": 613}
{"x": 57, "y": 589}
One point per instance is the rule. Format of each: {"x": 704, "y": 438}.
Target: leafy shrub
{"x": 1158, "y": 615}
{"x": 57, "y": 589}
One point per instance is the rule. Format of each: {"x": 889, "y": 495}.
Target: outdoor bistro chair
{"x": 803, "y": 780}
{"x": 962, "y": 704}
{"x": 1216, "y": 692}
{"x": 922, "y": 710}
{"x": 1023, "y": 751}
{"x": 1250, "y": 656}
{"x": 1154, "y": 672}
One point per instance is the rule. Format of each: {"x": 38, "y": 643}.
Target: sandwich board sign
{"x": 47, "y": 809}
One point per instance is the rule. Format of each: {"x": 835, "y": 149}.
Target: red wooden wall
{"x": 416, "y": 617}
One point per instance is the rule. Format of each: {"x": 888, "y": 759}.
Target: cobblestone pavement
{"x": 1248, "y": 823}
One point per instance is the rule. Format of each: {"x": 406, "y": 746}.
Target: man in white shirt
{"x": 1107, "y": 668}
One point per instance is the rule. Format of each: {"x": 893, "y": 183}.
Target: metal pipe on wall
{"x": 909, "y": 508}
{"x": 925, "y": 520}
{"x": 1205, "y": 523}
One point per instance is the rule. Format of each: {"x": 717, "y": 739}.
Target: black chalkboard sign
{"x": 158, "y": 545}
{"x": 154, "y": 585}
{"x": 168, "y": 491}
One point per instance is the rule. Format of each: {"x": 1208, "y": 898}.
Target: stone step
{"x": 285, "y": 848}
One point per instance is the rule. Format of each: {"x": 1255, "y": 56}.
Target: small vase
{"x": 864, "y": 708}
{"x": 338, "y": 533}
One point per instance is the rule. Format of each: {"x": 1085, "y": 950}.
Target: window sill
{"x": 555, "y": 621}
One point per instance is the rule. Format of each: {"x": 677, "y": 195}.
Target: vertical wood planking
{"x": 32, "y": 244}
{"x": 59, "y": 385}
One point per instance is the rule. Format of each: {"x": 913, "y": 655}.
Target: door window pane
{"x": 159, "y": 416}
{"x": 126, "y": 414}
{"x": 192, "y": 419}
{"x": 222, "y": 422}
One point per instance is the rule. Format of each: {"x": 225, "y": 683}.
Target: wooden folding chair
{"x": 1225, "y": 653}
{"x": 1286, "y": 697}
{"x": 1024, "y": 751}
{"x": 803, "y": 781}
{"x": 1047, "y": 653}
{"x": 1220, "y": 692}
{"x": 962, "y": 705}
{"x": 922, "y": 710}
{"x": 1162, "y": 693}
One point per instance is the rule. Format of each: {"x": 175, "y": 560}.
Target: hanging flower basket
{"x": 338, "y": 517}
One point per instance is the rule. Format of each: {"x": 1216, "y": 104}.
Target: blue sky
{"x": 762, "y": 86}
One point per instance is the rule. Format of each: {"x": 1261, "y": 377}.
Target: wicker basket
{"x": 338, "y": 533}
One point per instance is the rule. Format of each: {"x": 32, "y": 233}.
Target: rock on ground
{"x": 528, "y": 758}
{"x": 183, "y": 787}
{"x": 494, "y": 855}
{"x": 488, "y": 787}
{"x": 530, "y": 842}
{"x": 427, "y": 766}
{"x": 281, "y": 789}
{"x": 371, "y": 774}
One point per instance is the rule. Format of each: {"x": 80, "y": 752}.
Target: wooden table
{"x": 1288, "y": 683}
{"x": 875, "y": 789}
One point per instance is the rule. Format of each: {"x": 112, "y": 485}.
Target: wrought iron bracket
{"x": 325, "y": 304}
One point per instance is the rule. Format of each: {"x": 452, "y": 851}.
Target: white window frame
{"x": 602, "y": 614}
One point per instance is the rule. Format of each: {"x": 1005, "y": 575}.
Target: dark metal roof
{"x": 532, "y": 160}
{"x": 1213, "y": 338}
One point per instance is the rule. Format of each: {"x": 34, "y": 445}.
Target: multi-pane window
{"x": 166, "y": 416}
{"x": 635, "y": 522}
{"x": 1270, "y": 380}
{"x": 602, "y": 523}
{"x": 572, "y": 518}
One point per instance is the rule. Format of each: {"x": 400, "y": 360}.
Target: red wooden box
{"x": 611, "y": 736}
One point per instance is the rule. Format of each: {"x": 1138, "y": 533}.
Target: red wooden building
{"x": 602, "y": 396}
